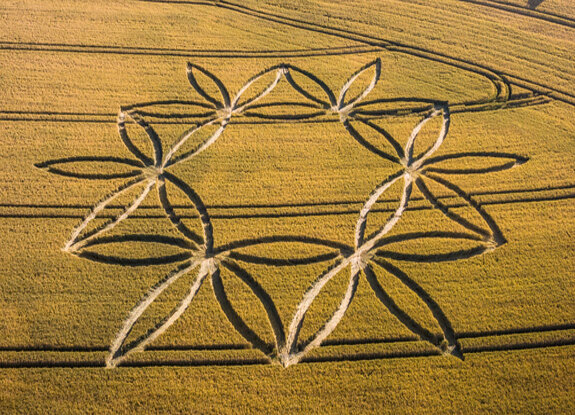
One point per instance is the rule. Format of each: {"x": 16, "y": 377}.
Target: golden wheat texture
{"x": 287, "y": 206}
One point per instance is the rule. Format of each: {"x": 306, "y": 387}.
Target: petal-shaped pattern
{"x": 360, "y": 227}
{"x": 196, "y": 201}
{"x": 94, "y": 168}
{"x": 154, "y": 138}
{"x": 232, "y": 252}
{"x": 219, "y": 125}
{"x": 294, "y": 352}
{"x": 234, "y": 318}
{"x": 328, "y": 250}
{"x": 133, "y": 116}
{"x": 327, "y": 102}
{"x": 273, "y": 74}
{"x": 459, "y": 246}
{"x": 482, "y": 224}
{"x": 379, "y": 133}
{"x": 395, "y": 107}
{"x": 118, "y": 350}
{"x": 225, "y": 96}
{"x": 172, "y": 110}
{"x": 284, "y": 111}
{"x": 80, "y": 235}
{"x": 447, "y": 343}
{"x": 474, "y": 162}
{"x": 346, "y": 106}
{"x": 415, "y": 162}
{"x": 138, "y": 244}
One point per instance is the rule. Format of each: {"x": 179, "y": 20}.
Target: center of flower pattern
{"x": 199, "y": 253}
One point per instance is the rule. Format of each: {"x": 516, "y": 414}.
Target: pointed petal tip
{"x": 191, "y": 66}
{"x": 111, "y": 360}
{"x": 521, "y": 160}
{"x": 375, "y": 62}
{"x": 287, "y": 359}
{"x": 68, "y": 248}
{"x": 74, "y": 247}
{"x": 498, "y": 240}
{"x": 457, "y": 352}
{"x": 451, "y": 349}
{"x": 441, "y": 107}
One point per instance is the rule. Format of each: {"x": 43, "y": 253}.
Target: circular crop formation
{"x": 199, "y": 254}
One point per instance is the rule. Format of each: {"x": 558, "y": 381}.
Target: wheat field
{"x": 287, "y": 207}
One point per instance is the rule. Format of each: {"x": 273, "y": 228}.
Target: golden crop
{"x": 349, "y": 190}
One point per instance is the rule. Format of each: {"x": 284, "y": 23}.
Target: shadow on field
{"x": 532, "y": 4}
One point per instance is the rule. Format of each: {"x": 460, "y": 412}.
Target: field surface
{"x": 287, "y": 206}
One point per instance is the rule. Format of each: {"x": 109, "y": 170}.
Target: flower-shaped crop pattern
{"x": 416, "y": 170}
{"x": 374, "y": 256}
{"x": 146, "y": 171}
{"x": 342, "y": 106}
